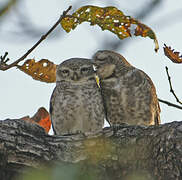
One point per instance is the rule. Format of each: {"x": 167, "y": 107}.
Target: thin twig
{"x": 3, "y": 58}
{"x": 4, "y": 66}
{"x": 171, "y": 88}
{"x": 170, "y": 104}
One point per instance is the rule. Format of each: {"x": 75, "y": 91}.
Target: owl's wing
{"x": 147, "y": 82}
{"x": 51, "y": 107}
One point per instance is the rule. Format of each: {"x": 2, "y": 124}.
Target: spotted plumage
{"x": 129, "y": 94}
{"x": 76, "y": 103}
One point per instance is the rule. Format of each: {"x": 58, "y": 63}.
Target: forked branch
{"x": 171, "y": 88}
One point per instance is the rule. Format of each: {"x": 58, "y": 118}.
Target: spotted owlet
{"x": 129, "y": 94}
{"x": 76, "y": 102}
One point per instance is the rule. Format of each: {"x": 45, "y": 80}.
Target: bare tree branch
{"x": 150, "y": 153}
{"x": 170, "y": 104}
{"x": 171, "y": 88}
{"x": 4, "y": 66}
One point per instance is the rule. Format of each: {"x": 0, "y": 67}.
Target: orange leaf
{"x": 41, "y": 117}
{"x": 172, "y": 55}
{"x": 43, "y": 70}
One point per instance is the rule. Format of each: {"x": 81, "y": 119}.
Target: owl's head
{"x": 109, "y": 63}
{"x": 75, "y": 70}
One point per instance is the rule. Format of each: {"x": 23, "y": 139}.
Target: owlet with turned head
{"x": 129, "y": 94}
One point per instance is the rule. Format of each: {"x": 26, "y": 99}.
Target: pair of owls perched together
{"x": 126, "y": 95}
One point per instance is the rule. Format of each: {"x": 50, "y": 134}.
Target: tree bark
{"x": 124, "y": 152}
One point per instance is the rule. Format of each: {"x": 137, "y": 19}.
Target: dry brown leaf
{"x": 172, "y": 55}
{"x": 43, "y": 70}
{"x": 41, "y": 117}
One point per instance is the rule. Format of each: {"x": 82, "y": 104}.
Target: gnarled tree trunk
{"x": 125, "y": 153}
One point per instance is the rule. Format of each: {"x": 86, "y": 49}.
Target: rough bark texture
{"x": 127, "y": 152}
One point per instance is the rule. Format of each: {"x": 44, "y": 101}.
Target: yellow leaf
{"x": 108, "y": 18}
{"x": 43, "y": 70}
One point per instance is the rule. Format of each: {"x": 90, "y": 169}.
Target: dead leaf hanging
{"x": 41, "y": 117}
{"x": 172, "y": 55}
{"x": 108, "y": 18}
{"x": 43, "y": 70}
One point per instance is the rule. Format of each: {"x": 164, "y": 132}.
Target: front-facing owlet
{"x": 129, "y": 94}
{"x": 76, "y": 103}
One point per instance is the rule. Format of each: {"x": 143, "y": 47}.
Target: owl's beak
{"x": 75, "y": 77}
